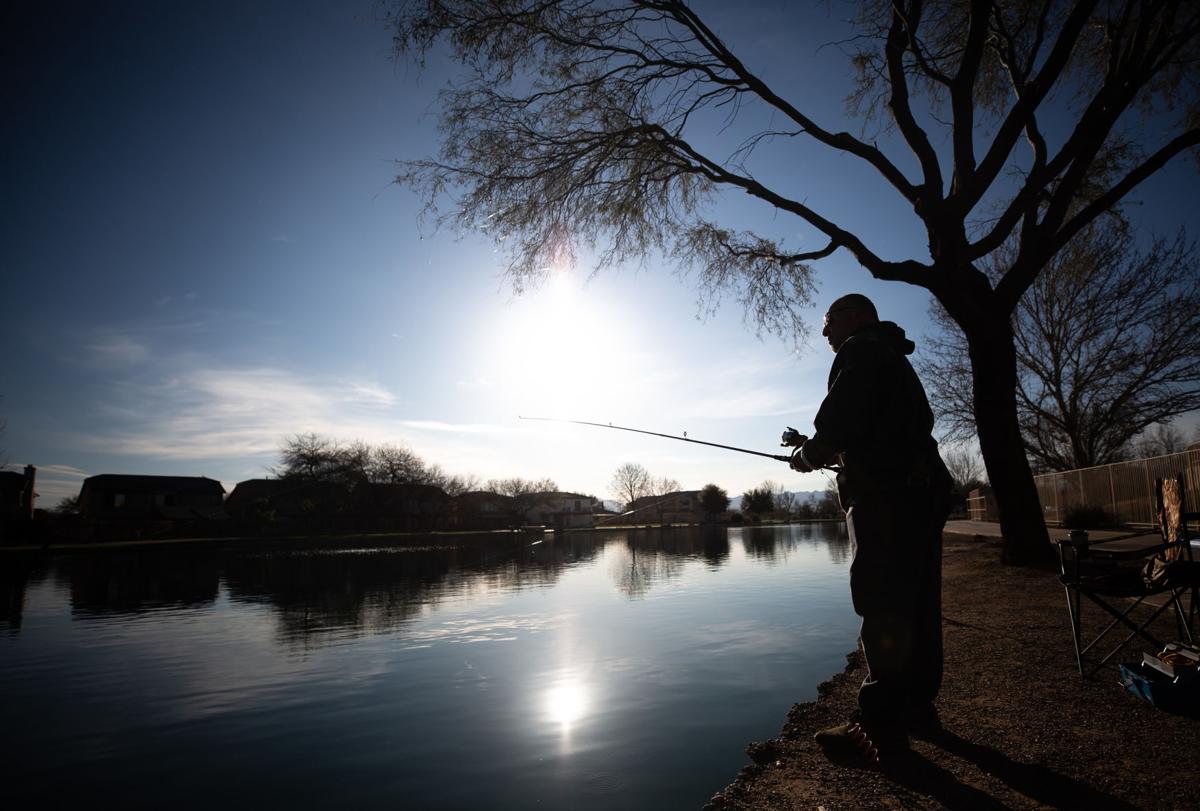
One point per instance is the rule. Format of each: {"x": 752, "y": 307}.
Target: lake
{"x": 600, "y": 669}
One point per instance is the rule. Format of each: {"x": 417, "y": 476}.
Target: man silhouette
{"x": 876, "y": 422}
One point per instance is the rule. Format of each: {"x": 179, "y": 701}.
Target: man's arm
{"x": 846, "y": 410}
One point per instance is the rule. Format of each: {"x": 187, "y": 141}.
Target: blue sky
{"x": 203, "y": 252}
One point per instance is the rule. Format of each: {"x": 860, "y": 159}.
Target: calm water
{"x": 597, "y": 670}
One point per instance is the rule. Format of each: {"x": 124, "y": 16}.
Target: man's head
{"x": 847, "y": 316}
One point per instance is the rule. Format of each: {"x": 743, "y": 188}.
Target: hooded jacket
{"x": 877, "y": 417}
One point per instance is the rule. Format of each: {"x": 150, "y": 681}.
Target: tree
{"x": 784, "y": 501}
{"x": 313, "y": 457}
{"x": 309, "y": 456}
{"x": 600, "y": 122}
{"x": 713, "y": 499}
{"x": 454, "y": 484}
{"x": 67, "y": 505}
{"x": 757, "y": 501}
{"x": 664, "y": 485}
{"x": 522, "y": 493}
{"x": 396, "y": 464}
{"x": 630, "y": 482}
{"x": 1161, "y": 440}
{"x": 830, "y": 505}
{"x": 1107, "y": 345}
{"x": 965, "y": 468}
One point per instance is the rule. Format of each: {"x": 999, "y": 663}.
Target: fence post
{"x": 1149, "y": 487}
{"x": 1112, "y": 493}
{"x": 1058, "y": 480}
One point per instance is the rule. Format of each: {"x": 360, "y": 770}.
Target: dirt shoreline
{"x": 1020, "y": 729}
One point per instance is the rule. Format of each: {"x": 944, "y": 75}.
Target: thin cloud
{"x": 62, "y": 472}
{"x": 366, "y": 393}
{"x": 456, "y": 428}
{"x": 110, "y": 349}
{"x": 223, "y": 414}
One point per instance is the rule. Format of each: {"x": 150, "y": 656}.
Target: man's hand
{"x": 797, "y": 462}
{"x": 811, "y": 455}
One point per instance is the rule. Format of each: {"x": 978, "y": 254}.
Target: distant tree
{"x": 308, "y": 456}
{"x": 830, "y": 506}
{"x": 354, "y": 462}
{"x": 664, "y": 485}
{"x": 1160, "y": 440}
{"x": 630, "y": 482}
{"x": 67, "y": 505}
{"x": 517, "y": 486}
{"x": 313, "y": 457}
{"x": 966, "y": 469}
{"x": 522, "y": 493}
{"x": 784, "y": 501}
{"x": 1108, "y": 345}
{"x": 758, "y": 501}
{"x": 397, "y": 464}
{"x": 454, "y": 484}
{"x": 713, "y": 499}
{"x": 613, "y": 124}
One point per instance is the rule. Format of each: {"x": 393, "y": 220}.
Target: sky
{"x": 204, "y": 252}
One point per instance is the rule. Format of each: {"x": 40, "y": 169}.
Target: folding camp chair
{"x": 1102, "y": 574}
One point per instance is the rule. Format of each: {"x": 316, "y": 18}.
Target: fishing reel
{"x": 792, "y": 438}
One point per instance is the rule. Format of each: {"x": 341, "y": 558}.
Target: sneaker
{"x": 852, "y": 742}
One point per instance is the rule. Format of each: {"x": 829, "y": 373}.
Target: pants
{"x": 896, "y": 587}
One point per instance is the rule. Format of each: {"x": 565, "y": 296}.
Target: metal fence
{"x": 1124, "y": 490}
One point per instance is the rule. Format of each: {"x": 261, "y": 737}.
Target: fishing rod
{"x": 779, "y": 457}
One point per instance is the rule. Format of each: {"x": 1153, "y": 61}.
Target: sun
{"x": 559, "y": 350}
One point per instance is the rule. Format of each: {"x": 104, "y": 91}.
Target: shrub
{"x": 1088, "y": 517}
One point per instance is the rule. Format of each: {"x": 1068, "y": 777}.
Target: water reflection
{"x": 135, "y": 582}
{"x": 320, "y": 593}
{"x": 14, "y": 579}
{"x": 565, "y": 673}
{"x": 567, "y": 703}
{"x": 772, "y": 544}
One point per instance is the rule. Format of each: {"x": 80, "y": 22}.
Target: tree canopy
{"x": 758, "y": 500}
{"x": 714, "y": 499}
{"x": 315, "y": 457}
{"x": 1108, "y": 346}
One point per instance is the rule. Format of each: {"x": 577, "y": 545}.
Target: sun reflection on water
{"x": 567, "y": 703}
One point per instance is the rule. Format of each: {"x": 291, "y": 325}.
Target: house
{"x": 16, "y": 504}
{"x": 285, "y": 499}
{"x": 171, "y": 498}
{"x": 16, "y": 493}
{"x": 116, "y": 505}
{"x": 480, "y": 509}
{"x": 679, "y": 507}
{"x": 401, "y": 507}
{"x": 561, "y": 510}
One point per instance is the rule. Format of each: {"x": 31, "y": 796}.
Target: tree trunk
{"x": 994, "y": 375}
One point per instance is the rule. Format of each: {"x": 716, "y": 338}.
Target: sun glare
{"x": 555, "y": 345}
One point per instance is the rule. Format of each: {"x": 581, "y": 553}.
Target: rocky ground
{"x": 1020, "y": 728}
